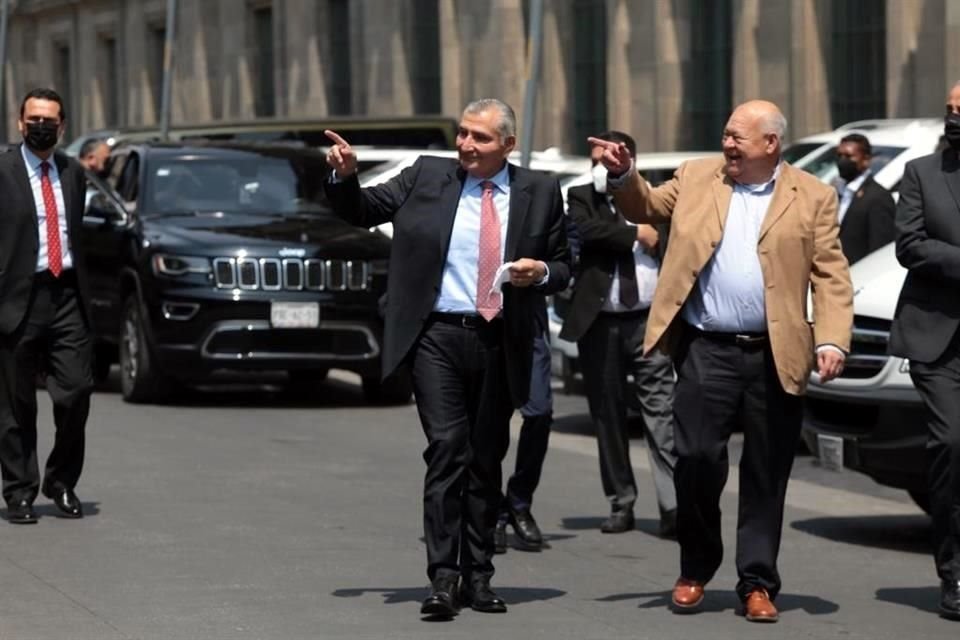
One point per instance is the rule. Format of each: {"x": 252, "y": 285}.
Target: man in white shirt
{"x": 607, "y": 317}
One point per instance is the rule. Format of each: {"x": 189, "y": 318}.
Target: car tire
{"x": 396, "y": 389}
{"x": 921, "y": 497}
{"x": 140, "y": 380}
{"x": 304, "y": 381}
{"x": 568, "y": 376}
{"x": 103, "y": 358}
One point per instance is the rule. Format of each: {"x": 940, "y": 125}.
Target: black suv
{"x": 220, "y": 256}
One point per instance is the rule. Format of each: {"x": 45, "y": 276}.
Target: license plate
{"x": 295, "y": 315}
{"x": 830, "y": 452}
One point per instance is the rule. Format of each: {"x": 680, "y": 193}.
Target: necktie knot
{"x": 487, "y": 187}
{"x": 45, "y": 168}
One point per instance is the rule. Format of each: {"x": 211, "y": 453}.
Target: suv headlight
{"x": 175, "y": 266}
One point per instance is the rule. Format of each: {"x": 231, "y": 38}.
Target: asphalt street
{"x": 250, "y": 513}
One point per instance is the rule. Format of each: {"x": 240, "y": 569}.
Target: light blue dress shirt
{"x": 458, "y": 288}
{"x": 32, "y": 163}
{"x": 729, "y": 294}
{"x": 847, "y": 193}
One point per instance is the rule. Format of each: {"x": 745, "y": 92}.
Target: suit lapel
{"x": 23, "y": 187}
{"x": 950, "y": 165}
{"x": 450, "y": 190}
{"x": 784, "y": 193}
{"x": 66, "y": 188}
{"x": 519, "y": 205}
{"x": 722, "y": 193}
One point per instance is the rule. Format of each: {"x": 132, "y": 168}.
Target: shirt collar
{"x": 856, "y": 183}
{"x": 501, "y": 180}
{"x": 761, "y": 187}
{"x": 32, "y": 161}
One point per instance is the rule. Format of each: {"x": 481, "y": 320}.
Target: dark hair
{"x": 89, "y": 146}
{"x": 44, "y": 94}
{"x": 620, "y": 136}
{"x": 859, "y": 139}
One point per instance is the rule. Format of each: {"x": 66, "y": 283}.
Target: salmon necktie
{"x": 488, "y": 304}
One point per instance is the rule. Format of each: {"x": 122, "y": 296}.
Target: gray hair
{"x": 89, "y": 146}
{"x": 775, "y": 123}
{"x": 507, "y": 123}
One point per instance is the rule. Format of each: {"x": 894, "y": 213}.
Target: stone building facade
{"x": 666, "y": 70}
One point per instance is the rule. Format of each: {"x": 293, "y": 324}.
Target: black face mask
{"x": 41, "y": 136}
{"x": 951, "y": 130}
{"x": 847, "y": 169}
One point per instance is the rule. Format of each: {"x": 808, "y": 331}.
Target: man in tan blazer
{"x": 750, "y": 235}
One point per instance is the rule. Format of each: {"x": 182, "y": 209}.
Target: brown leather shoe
{"x": 687, "y": 595}
{"x": 759, "y": 608}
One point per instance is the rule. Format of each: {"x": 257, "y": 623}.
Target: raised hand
{"x": 341, "y": 155}
{"x": 616, "y": 156}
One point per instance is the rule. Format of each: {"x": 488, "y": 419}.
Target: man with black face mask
{"x": 866, "y": 209}
{"x": 43, "y": 319}
{"x": 926, "y": 329}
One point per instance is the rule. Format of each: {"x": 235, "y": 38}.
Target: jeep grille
{"x": 292, "y": 274}
{"x": 868, "y": 348}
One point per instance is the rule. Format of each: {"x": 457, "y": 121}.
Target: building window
{"x": 156, "y": 40}
{"x": 857, "y": 71}
{"x": 425, "y": 58}
{"x": 338, "y": 35}
{"x": 589, "y": 84}
{"x": 708, "y": 80}
{"x": 109, "y": 80}
{"x": 63, "y": 79}
{"x": 265, "y": 94}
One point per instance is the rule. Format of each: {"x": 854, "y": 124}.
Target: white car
{"x": 895, "y": 142}
{"x": 657, "y": 168}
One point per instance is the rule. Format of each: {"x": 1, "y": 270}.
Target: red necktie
{"x": 54, "y": 257}
{"x": 488, "y": 304}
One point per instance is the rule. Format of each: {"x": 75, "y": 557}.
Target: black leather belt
{"x": 465, "y": 320}
{"x": 746, "y": 339}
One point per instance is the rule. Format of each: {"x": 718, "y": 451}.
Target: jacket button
{"x": 713, "y": 244}
{"x": 679, "y": 303}
{"x": 695, "y": 273}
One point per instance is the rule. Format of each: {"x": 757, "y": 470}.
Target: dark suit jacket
{"x": 928, "y": 245}
{"x": 422, "y": 204}
{"x": 20, "y": 239}
{"x": 603, "y": 239}
{"x": 868, "y": 223}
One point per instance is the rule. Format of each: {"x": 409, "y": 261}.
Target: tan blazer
{"x": 798, "y": 250}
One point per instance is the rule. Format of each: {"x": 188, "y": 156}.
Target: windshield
{"x": 236, "y": 182}
{"x": 824, "y": 164}
{"x": 796, "y": 151}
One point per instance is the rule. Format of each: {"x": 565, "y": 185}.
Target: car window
{"x": 114, "y": 168}
{"x": 237, "y": 182}
{"x": 128, "y": 183}
{"x": 796, "y": 151}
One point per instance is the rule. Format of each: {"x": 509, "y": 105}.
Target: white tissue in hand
{"x": 502, "y": 275}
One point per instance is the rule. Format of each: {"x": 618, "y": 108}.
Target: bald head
{"x": 752, "y": 141}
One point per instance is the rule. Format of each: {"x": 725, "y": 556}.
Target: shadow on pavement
{"x": 922, "y": 598}
{"x": 581, "y": 523}
{"x": 728, "y": 601}
{"x": 910, "y": 533}
{"x": 511, "y": 595}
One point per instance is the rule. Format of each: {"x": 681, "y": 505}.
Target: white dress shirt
{"x": 849, "y": 191}
{"x": 647, "y": 270}
{"x": 32, "y": 163}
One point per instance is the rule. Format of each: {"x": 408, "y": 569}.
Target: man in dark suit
{"x": 43, "y": 321}
{"x": 467, "y": 340}
{"x": 866, "y": 209}
{"x": 607, "y": 317}
{"x": 925, "y": 330}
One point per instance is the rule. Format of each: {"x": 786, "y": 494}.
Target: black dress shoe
{"x": 442, "y": 601}
{"x": 618, "y": 522}
{"x": 500, "y": 537}
{"x": 950, "y": 599}
{"x": 66, "y": 500}
{"x": 480, "y": 597}
{"x": 21, "y": 512}
{"x": 668, "y": 525}
{"x": 526, "y": 529}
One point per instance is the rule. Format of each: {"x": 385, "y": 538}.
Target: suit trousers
{"x": 459, "y": 382}
{"x": 939, "y": 385}
{"x": 54, "y": 340}
{"x": 609, "y": 351}
{"x": 534, "y": 432}
{"x": 720, "y": 386}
